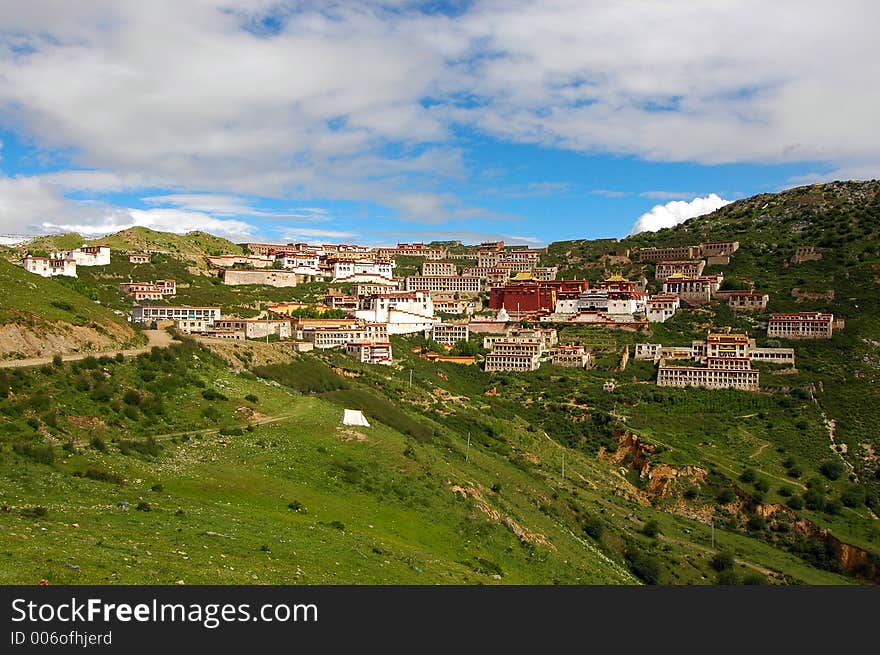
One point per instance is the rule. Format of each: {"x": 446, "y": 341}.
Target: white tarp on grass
{"x": 354, "y": 417}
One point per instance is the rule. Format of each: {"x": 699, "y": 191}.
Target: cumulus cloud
{"x": 677, "y": 211}
{"x": 364, "y": 101}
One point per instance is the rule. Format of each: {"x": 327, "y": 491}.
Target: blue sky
{"x": 375, "y": 122}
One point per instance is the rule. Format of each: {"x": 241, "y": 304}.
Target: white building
{"x": 362, "y": 270}
{"x": 88, "y": 255}
{"x": 49, "y": 267}
{"x": 661, "y": 307}
{"x": 444, "y": 283}
{"x": 450, "y": 333}
{"x": 301, "y": 263}
{"x": 370, "y": 352}
{"x": 150, "y": 313}
{"x": 403, "y": 311}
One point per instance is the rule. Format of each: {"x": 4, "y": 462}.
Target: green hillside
{"x": 235, "y": 469}
{"x": 192, "y": 246}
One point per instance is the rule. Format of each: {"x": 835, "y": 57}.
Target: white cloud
{"x": 675, "y": 212}
{"x": 180, "y": 96}
{"x": 305, "y": 234}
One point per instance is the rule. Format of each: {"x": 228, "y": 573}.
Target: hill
{"x": 40, "y": 316}
{"x": 225, "y": 461}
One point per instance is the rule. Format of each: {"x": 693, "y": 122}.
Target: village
{"x": 499, "y": 294}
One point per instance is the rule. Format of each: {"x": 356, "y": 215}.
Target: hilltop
{"x": 192, "y": 246}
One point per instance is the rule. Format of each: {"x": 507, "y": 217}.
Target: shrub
{"x": 785, "y": 491}
{"x": 131, "y": 397}
{"x": 593, "y": 527}
{"x": 833, "y": 507}
{"x": 39, "y": 454}
{"x": 57, "y": 361}
{"x": 722, "y": 561}
{"x": 643, "y": 566}
{"x": 103, "y": 476}
{"x": 762, "y": 485}
{"x": 853, "y": 496}
{"x": 725, "y": 496}
{"x": 651, "y": 529}
{"x": 691, "y": 492}
{"x": 832, "y": 469}
{"x": 796, "y": 502}
{"x": 814, "y": 500}
{"x": 157, "y": 488}
{"x": 296, "y": 506}
{"x": 756, "y": 523}
{"x": 119, "y": 357}
{"x": 496, "y": 487}
{"x": 98, "y": 444}
{"x": 754, "y": 578}
{"x": 211, "y": 394}
{"x": 251, "y": 398}
{"x": 748, "y": 475}
{"x": 795, "y": 471}
{"x": 727, "y": 577}
{"x": 36, "y": 512}
{"x": 143, "y": 507}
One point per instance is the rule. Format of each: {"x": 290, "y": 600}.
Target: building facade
{"x": 151, "y": 313}
{"x": 370, "y": 352}
{"x": 801, "y": 325}
{"x": 49, "y": 267}
{"x": 450, "y": 333}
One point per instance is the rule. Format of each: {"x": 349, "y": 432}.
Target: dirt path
{"x": 759, "y": 451}
{"x": 155, "y": 338}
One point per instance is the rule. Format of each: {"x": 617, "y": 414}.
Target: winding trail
{"x": 155, "y": 338}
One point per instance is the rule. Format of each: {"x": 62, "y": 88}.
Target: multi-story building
{"x": 673, "y": 254}
{"x": 438, "y": 268}
{"x": 195, "y": 325}
{"x": 693, "y": 291}
{"x": 772, "y": 355}
{"x": 661, "y": 307}
{"x": 362, "y": 270}
{"x": 412, "y": 250}
{"x": 444, "y": 283}
{"x": 255, "y": 328}
{"x": 688, "y": 268}
{"x": 403, "y": 311}
{"x": 167, "y": 287}
{"x": 361, "y": 290}
{"x": 49, "y": 267}
{"x": 511, "y": 362}
{"x": 452, "y": 306}
{"x": 748, "y": 301}
{"x": 571, "y": 356}
{"x": 339, "y": 336}
{"x": 720, "y": 346}
{"x": 718, "y": 248}
{"x": 370, "y": 352}
{"x": 304, "y": 263}
{"x": 139, "y": 258}
{"x": 450, "y": 333}
{"x": 710, "y": 377}
{"x": 545, "y": 273}
{"x": 272, "y": 277}
{"x": 517, "y": 348}
{"x": 342, "y": 302}
{"x": 626, "y": 302}
{"x": 545, "y": 337}
{"x": 141, "y": 291}
{"x": 617, "y": 283}
{"x": 86, "y": 255}
{"x": 152, "y": 313}
{"x": 801, "y": 325}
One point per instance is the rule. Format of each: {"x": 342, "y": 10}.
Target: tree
{"x": 722, "y": 561}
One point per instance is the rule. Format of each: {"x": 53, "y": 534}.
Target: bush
{"x": 103, "y": 476}
{"x": 785, "y": 491}
{"x": 643, "y": 566}
{"x": 725, "y": 496}
{"x": 143, "y": 507}
{"x": 131, "y": 397}
{"x": 119, "y": 357}
{"x": 833, "y": 507}
{"x": 691, "y": 492}
{"x": 98, "y": 444}
{"x": 748, "y": 475}
{"x": 796, "y": 502}
{"x": 57, "y": 362}
{"x": 762, "y": 485}
{"x": 727, "y": 577}
{"x": 39, "y": 454}
{"x": 157, "y": 488}
{"x": 593, "y": 527}
{"x": 651, "y": 529}
{"x": 795, "y": 471}
{"x": 832, "y": 469}
{"x": 297, "y": 506}
{"x": 814, "y": 500}
{"x": 754, "y": 578}
{"x": 722, "y": 561}
{"x": 36, "y": 512}
{"x": 756, "y": 523}
{"x": 251, "y": 398}
{"x": 853, "y": 496}
{"x": 211, "y": 394}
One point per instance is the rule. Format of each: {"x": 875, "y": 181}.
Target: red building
{"x": 535, "y": 296}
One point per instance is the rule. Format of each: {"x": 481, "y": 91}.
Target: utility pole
{"x": 563, "y": 466}
{"x": 467, "y": 452}
{"x": 410, "y": 378}
{"x": 712, "y": 523}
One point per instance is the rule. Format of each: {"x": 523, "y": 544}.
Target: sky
{"x": 376, "y": 122}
